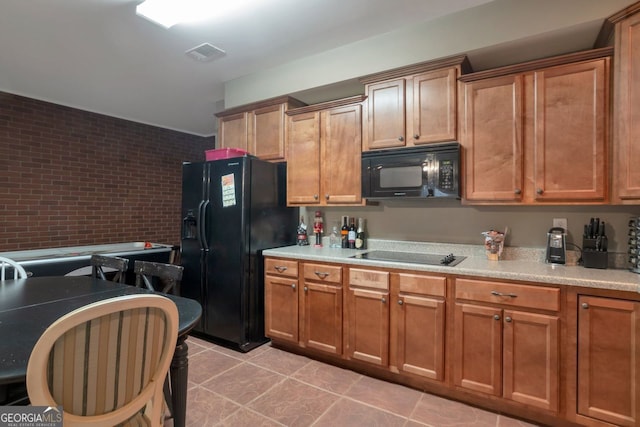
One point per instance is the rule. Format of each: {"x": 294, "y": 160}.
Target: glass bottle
{"x": 360, "y": 235}
{"x": 352, "y": 234}
{"x": 344, "y": 232}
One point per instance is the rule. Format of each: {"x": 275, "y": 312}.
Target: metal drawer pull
{"x": 585, "y": 305}
{"x": 500, "y": 294}
{"x": 400, "y": 302}
{"x": 496, "y": 317}
{"x": 280, "y": 268}
{"x": 306, "y": 289}
{"x": 384, "y": 300}
{"x": 293, "y": 286}
{"x": 321, "y": 274}
{"x": 507, "y": 319}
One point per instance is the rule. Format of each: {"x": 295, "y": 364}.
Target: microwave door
{"x": 399, "y": 178}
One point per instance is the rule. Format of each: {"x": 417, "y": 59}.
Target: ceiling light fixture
{"x": 171, "y": 12}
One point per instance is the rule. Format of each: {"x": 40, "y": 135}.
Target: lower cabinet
{"x": 501, "y": 348}
{"x": 608, "y": 386}
{"x": 281, "y": 299}
{"x": 368, "y": 316}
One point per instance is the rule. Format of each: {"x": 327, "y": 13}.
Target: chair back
{"x": 100, "y": 262}
{"x": 7, "y": 265}
{"x": 168, "y": 276}
{"x": 105, "y": 363}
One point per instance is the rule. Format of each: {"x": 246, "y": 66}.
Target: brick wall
{"x": 69, "y": 177}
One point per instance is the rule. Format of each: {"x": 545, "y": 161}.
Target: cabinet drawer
{"x": 369, "y": 278}
{"x": 512, "y": 294}
{"x": 323, "y": 273}
{"x": 281, "y": 267}
{"x": 423, "y": 285}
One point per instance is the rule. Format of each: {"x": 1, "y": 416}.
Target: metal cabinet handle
{"x": 585, "y": 305}
{"x": 326, "y": 196}
{"x": 384, "y": 300}
{"x": 401, "y": 138}
{"x": 517, "y": 191}
{"x": 416, "y": 136}
{"x": 321, "y": 274}
{"x": 539, "y": 191}
{"x": 306, "y": 289}
{"x": 293, "y": 286}
{"x": 315, "y": 196}
{"x": 400, "y": 302}
{"x": 507, "y": 319}
{"x": 280, "y": 268}
{"x": 496, "y": 317}
{"x": 501, "y": 294}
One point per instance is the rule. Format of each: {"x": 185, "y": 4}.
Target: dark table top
{"x": 29, "y": 306}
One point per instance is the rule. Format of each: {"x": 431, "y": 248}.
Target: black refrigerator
{"x": 232, "y": 209}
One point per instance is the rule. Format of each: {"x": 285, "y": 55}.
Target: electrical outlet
{"x": 560, "y": 222}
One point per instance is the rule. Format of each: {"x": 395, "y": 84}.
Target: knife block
{"x": 592, "y": 258}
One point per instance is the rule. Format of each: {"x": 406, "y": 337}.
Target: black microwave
{"x": 419, "y": 172}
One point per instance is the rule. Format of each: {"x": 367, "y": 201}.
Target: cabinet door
{"x": 531, "y": 359}
{"x": 570, "y": 128}
{"x": 626, "y": 111}
{"x": 267, "y": 134}
{"x": 303, "y": 159}
{"x": 477, "y": 359}
{"x": 369, "y": 326}
{"x": 433, "y": 117}
{"x": 234, "y": 131}
{"x": 420, "y": 348}
{"x": 492, "y": 138}
{"x": 341, "y": 147}
{"x": 386, "y": 115}
{"x": 323, "y": 317}
{"x": 609, "y": 360}
{"x": 281, "y": 308}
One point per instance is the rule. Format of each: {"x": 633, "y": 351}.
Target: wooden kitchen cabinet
{"x": 281, "y": 299}
{"x": 258, "y": 128}
{"x": 626, "y": 105}
{"x": 537, "y": 132}
{"x": 413, "y": 105}
{"x": 368, "y": 316}
{"x": 324, "y": 147}
{"x": 608, "y": 360}
{"x": 502, "y": 347}
{"x": 322, "y": 307}
{"x": 418, "y": 311}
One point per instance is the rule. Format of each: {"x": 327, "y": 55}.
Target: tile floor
{"x": 269, "y": 387}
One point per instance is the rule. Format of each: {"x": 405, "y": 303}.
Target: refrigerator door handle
{"x": 203, "y": 225}
{"x": 200, "y": 219}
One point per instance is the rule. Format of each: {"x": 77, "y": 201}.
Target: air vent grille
{"x": 205, "y": 52}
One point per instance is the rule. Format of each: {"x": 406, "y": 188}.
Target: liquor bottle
{"x": 344, "y": 233}
{"x": 302, "y": 233}
{"x": 352, "y": 234}
{"x": 360, "y": 237}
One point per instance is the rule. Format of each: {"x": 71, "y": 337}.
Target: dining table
{"x": 28, "y": 306}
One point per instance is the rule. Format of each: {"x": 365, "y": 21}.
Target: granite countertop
{"x": 526, "y": 264}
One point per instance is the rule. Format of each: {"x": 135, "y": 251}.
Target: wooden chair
{"x": 7, "y": 264}
{"x": 105, "y": 363}
{"x": 167, "y": 275}
{"x": 100, "y": 262}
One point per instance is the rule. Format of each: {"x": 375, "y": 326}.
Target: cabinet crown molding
{"x": 606, "y": 31}
{"x": 538, "y": 64}
{"x": 450, "y": 61}
{"x": 326, "y": 105}
{"x": 292, "y": 103}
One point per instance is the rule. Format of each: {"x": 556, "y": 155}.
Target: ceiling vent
{"x": 205, "y": 52}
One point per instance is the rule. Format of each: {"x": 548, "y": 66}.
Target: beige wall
{"x": 448, "y": 221}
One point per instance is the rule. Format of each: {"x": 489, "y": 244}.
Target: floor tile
{"x": 208, "y": 363}
{"x": 440, "y": 412}
{"x": 247, "y": 418}
{"x": 348, "y": 413}
{"x": 243, "y": 383}
{"x": 327, "y": 377}
{"x": 205, "y": 408}
{"x": 280, "y": 361}
{"x": 243, "y": 356}
{"x": 293, "y": 403}
{"x": 394, "y": 398}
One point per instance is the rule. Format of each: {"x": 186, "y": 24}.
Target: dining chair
{"x": 106, "y": 363}
{"x": 101, "y": 262}
{"x": 7, "y": 264}
{"x": 168, "y": 276}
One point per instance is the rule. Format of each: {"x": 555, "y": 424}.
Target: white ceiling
{"x": 98, "y": 55}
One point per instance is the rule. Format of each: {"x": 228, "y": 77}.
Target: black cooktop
{"x": 412, "y": 257}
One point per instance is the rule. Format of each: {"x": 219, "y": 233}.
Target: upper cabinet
{"x": 257, "y": 128}
{"x": 324, "y": 148}
{"x": 413, "y": 105}
{"x": 626, "y": 107}
{"x": 537, "y": 132}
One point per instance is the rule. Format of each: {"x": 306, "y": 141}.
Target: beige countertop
{"x": 526, "y": 264}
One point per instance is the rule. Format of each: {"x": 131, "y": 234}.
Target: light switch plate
{"x": 560, "y": 222}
